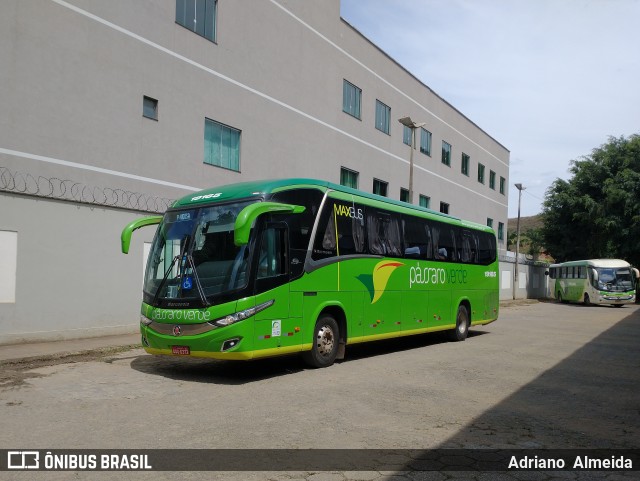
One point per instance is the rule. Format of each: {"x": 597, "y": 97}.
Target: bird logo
{"x": 376, "y": 282}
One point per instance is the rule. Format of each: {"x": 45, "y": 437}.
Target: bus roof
{"x": 594, "y": 263}
{"x": 245, "y": 190}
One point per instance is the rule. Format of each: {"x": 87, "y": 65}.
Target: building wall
{"x": 72, "y": 85}
{"x": 71, "y": 280}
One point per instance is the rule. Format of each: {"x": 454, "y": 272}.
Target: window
{"x": 380, "y": 187}
{"x": 377, "y": 231}
{"x": 500, "y": 231}
{"x": 199, "y": 16}
{"x": 351, "y": 99}
{"x": 418, "y": 243}
{"x": 489, "y": 222}
{"x": 444, "y": 207}
{"x": 425, "y": 141}
{"x": 446, "y": 153}
{"x": 481, "y": 173}
{"x": 383, "y": 233}
{"x": 492, "y": 180}
{"x": 272, "y": 259}
{"x": 502, "y": 182}
{"x": 149, "y": 108}
{"x": 349, "y": 232}
{"x": 465, "y": 164}
{"x": 406, "y": 135}
{"x": 425, "y": 201}
{"x": 404, "y": 195}
{"x": 383, "y": 115}
{"x": 221, "y": 145}
{"x": 348, "y": 178}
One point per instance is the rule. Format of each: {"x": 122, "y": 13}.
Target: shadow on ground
{"x": 590, "y": 400}
{"x": 241, "y": 372}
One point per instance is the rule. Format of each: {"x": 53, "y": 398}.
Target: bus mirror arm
{"x": 127, "y": 232}
{"x": 249, "y": 214}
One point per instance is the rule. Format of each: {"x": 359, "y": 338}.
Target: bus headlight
{"x": 144, "y": 320}
{"x": 241, "y": 315}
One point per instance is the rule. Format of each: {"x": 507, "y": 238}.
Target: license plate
{"x": 180, "y": 350}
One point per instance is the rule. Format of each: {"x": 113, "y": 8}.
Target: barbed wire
{"x": 65, "y": 189}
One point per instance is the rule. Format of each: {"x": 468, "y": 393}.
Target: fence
{"x": 531, "y": 282}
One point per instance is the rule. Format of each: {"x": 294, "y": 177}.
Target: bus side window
{"x": 444, "y": 241}
{"x": 417, "y": 238}
{"x": 487, "y": 248}
{"x": 383, "y": 230}
{"x": 273, "y": 261}
{"x": 467, "y": 244}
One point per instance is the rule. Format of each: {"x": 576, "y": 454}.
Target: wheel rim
{"x": 462, "y": 322}
{"x": 325, "y": 340}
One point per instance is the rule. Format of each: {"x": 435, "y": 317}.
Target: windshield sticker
{"x": 187, "y": 283}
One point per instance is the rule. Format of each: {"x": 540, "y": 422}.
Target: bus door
{"x": 274, "y": 328}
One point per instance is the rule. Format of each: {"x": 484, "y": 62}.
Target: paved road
{"x": 544, "y": 375}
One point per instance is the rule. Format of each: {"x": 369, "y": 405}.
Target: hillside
{"x": 526, "y": 223}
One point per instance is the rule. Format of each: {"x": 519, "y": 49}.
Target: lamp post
{"x": 407, "y": 122}
{"x": 520, "y": 188}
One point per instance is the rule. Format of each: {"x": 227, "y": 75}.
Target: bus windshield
{"x": 615, "y": 280}
{"x": 193, "y": 254}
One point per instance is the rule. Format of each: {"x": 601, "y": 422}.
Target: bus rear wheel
{"x": 462, "y": 325}
{"x": 326, "y": 337}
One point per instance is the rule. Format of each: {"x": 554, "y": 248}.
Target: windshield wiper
{"x": 203, "y": 297}
{"x": 164, "y": 279}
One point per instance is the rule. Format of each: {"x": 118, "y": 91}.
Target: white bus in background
{"x": 594, "y": 281}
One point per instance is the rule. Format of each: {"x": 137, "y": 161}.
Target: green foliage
{"x": 596, "y": 214}
{"x": 531, "y": 241}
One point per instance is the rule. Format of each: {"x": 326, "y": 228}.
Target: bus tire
{"x": 326, "y": 339}
{"x": 587, "y": 300}
{"x": 559, "y": 297}
{"x": 462, "y": 325}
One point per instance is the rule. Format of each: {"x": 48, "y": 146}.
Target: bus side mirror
{"x": 249, "y": 214}
{"x": 125, "y": 237}
{"x": 595, "y": 275}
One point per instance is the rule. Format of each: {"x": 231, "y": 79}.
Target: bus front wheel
{"x": 587, "y": 300}
{"x": 462, "y": 325}
{"x": 326, "y": 337}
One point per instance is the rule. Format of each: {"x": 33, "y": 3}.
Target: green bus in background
{"x": 261, "y": 269}
{"x": 594, "y": 281}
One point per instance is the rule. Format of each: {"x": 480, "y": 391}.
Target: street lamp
{"x": 520, "y": 188}
{"x": 407, "y": 122}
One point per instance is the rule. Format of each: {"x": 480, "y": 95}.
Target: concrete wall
{"x": 71, "y": 279}
{"x": 531, "y": 284}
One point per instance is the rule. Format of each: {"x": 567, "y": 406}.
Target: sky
{"x": 550, "y": 80}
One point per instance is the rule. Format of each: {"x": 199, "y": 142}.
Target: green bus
{"x": 259, "y": 269}
{"x": 594, "y": 281}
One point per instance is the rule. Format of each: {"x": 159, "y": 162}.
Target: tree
{"x": 535, "y": 242}
{"x": 596, "y": 213}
